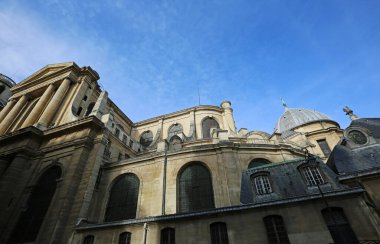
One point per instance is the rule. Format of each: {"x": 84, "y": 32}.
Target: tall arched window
{"x": 338, "y": 225}
{"x": 167, "y": 236}
{"x": 125, "y": 238}
{"x": 258, "y": 162}
{"x": 88, "y": 239}
{"x": 207, "y": 124}
{"x": 30, "y": 221}
{"x": 276, "y": 231}
{"x": 219, "y": 233}
{"x": 175, "y": 130}
{"x": 195, "y": 189}
{"x": 123, "y": 198}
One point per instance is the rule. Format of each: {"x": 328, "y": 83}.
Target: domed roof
{"x": 6, "y": 80}
{"x": 294, "y": 117}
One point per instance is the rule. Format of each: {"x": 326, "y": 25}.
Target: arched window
{"x": 88, "y": 239}
{"x": 125, "y": 238}
{"x": 146, "y": 138}
{"x": 89, "y": 109}
{"x": 207, "y": 124}
{"x": 30, "y": 221}
{"x": 262, "y": 184}
{"x": 175, "y": 130}
{"x": 218, "y": 233}
{"x": 276, "y": 230}
{"x": 167, "y": 236}
{"x": 123, "y": 198}
{"x": 258, "y": 162}
{"x": 339, "y": 226}
{"x": 195, "y": 189}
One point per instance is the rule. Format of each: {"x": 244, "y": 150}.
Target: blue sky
{"x": 153, "y": 56}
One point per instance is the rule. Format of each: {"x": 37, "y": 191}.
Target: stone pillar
{"x": 228, "y": 118}
{"x": 54, "y": 104}
{"x": 4, "y": 125}
{"x": 41, "y": 104}
{"x": 6, "y": 109}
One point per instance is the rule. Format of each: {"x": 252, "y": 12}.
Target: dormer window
{"x": 262, "y": 184}
{"x": 312, "y": 175}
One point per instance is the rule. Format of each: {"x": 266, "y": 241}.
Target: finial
{"x": 350, "y": 113}
{"x": 284, "y": 103}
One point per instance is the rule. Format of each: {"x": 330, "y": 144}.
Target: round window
{"x": 357, "y": 137}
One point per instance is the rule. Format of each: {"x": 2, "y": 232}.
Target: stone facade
{"x": 59, "y": 118}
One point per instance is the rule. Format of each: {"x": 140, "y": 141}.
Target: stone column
{"x": 6, "y": 109}
{"x": 228, "y": 118}
{"x": 4, "y": 125}
{"x": 41, "y": 104}
{"x": 54, "y": 104}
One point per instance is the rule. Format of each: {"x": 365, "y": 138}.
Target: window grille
{"x": 88, "y": 239}
{"x": 338, "y": 225}
{"x": 262, "y": 185}
{"x": 195, "y": 189}
{"x": 168, "y": 236}
{"x": 324, "y": 147}
{"x": 123, "y": 198}
{"x": 312, "y": 175}
{"x": 276, "y": 230}
{"x": 30, "y": 221}
{"x": 125, "y": 238}
{"x": 219, "y": 233}
{"x": 207, "y": 124}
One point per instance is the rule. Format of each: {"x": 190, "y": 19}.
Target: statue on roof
{"x": 350, "y": 113}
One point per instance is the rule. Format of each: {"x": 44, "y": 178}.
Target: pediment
{"x": 48, "y": 71}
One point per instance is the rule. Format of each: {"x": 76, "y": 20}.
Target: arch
{"x": 218, "y": 232}
{"x": 276, "y": 231}
{"x": 89, "y": 109}
{"x": 123, "y": 197}
{"x": 146, "y": 138}
{"x": 194, "y": 184}
{"x": 175, "y": 129}
{"x": 125, "y": 238}
{"x": 167, "y": 236}
{"x": 207, "y": 124}
{"x": 338, "y": 225}
{"x": 257, "y": 162}
{"x": 30, "y": 221}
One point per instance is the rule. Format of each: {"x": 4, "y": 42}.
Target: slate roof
{"x": 287, "y": 182}
{"x": 294, "y": 117}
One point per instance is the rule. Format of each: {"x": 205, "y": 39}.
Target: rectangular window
{"x": 120, "y": 157}
{"x": 324, "y": 147}
{"x": 130, "y": 143}
{"x": 125, "y": 138}
{"x": 313, "y": 176}
{"x": 276, "y": 231}
{"x": 117, "y": 132}
{"x": 262, "y": 185}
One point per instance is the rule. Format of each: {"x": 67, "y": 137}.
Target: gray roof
{"x": 287, "y": 182}
{"x": 6, "y": 80}
{"x": 294, "y": 117}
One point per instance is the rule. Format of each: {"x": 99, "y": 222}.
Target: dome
{"x": 6, "y": 80}
{"x": 294, "y": 117}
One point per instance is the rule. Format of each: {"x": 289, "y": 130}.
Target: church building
{"x": 75, "y": 169}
